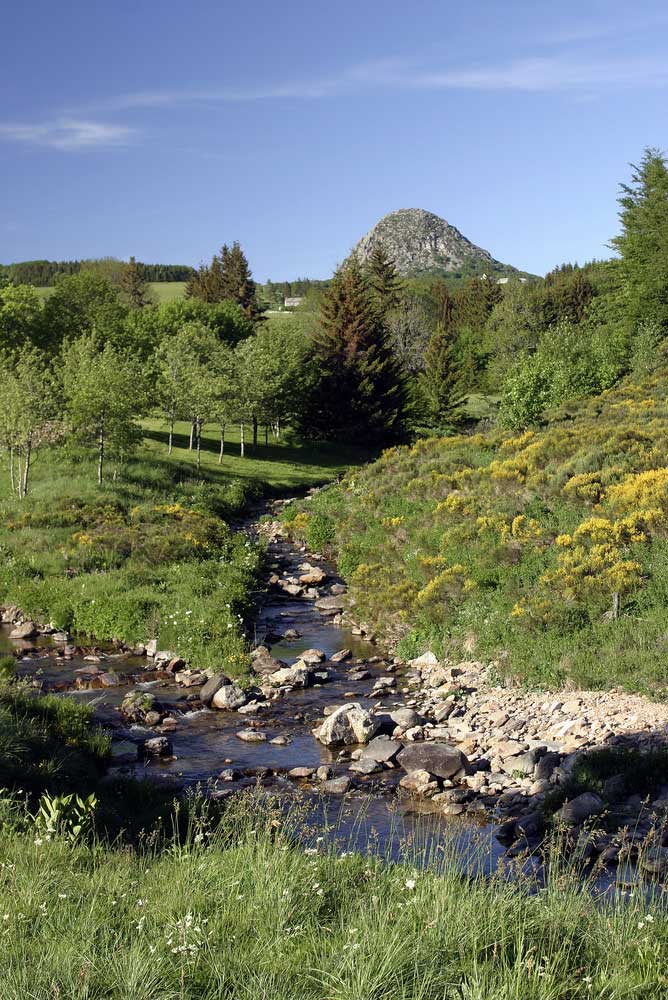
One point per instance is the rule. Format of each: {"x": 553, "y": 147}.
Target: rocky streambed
{"x": 363, "y": 734}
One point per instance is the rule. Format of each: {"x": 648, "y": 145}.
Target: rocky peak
{"x": 417, "y": 240}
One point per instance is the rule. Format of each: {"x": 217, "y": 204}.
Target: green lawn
{"x": 279, "y": 465}
{"x": 166, "y": 291}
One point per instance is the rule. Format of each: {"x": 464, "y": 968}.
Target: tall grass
{"x": 244, "y": 911}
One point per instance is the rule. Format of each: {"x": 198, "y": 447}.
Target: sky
{"x": 165, "y": 130}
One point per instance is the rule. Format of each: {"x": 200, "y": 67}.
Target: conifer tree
{"x": 236, "y": 281}
{"x": 360, "y": 395}
{"x": 440, "y": 385}
{"x": 133, "y": 285}
{"x": 384, "y": 281}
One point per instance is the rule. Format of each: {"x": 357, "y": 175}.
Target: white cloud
{"x": 68, "y": 135}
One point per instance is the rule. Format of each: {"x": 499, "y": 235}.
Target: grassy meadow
{"x": 149, "y": 554}
{"x": 547, "y": 551}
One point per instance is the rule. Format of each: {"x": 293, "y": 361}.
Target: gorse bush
{"x": 545, "y": 551}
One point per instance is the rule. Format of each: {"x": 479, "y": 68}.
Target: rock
{"x": 264, "y": 663}
{"x": 324, "y": 773}
{"x": 190, "y": 678}
{"x": 427, "y": 659}
{"x": 359, "y": 675}
{"x": 330, "y": 605}
{"x": 152, "y": 718}
{"x": 296, "y": 676}
{"x": 654, "y": 860}
{"x": 437, "y": 758}
{"x": 110, "y": 679}
{"x": 291, "y": 634}
{"x": 27, "y": 630}
{"x": 229, "y": 697}
{"x": 214, "y": 683}
{"x": 164, "y": 656}
{"x": 405, "y": 718}
{"x": 580, "y": 808}
{"x": 419, "y": 782}
{"x": 311, "y": 656}
{"x": 365, "y": 767}
{"x": 64, "y": 637}
{"x": 338, "y": 589}
{"x": 137, "y": 705}
{"x": 293, "y": 589}
{"x": 343, "y": 654}
{"x": 336, "y": 786}
{"x": 228, "y": 774}
{"x": 313, "y": 577}
{"x": 529, "y": 825}
{"x": 281, "y": 741}
{"x": 251, "y": 736}
{"x": 157, "y": 746}
{"x": 348, "y": 724}
{"x": 381, "y": 749}
{"x": 151, "y": 647}
{"x": 546, "y": 765}
{"x": 301, "y": 772}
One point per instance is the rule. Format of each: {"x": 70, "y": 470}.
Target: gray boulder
{"x": 27, "y": 630}
{"x": 347, "y": 725}
{"x": 157, "y": 746}
{"x": 381, "y": 749}
{"x": 437, "y": 758}
{"x": 213, "y": 685}
{"x": 229, "y": 696}
{"x": 580, "y": 808}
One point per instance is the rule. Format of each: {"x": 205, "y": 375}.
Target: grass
{"x": 546, "y": 552}
{"x": 148, "y": 554}
{"x": 166, "y": 291}
{"x": 239, "y": 910}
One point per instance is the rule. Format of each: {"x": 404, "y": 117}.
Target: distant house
{"x": 292, "y": 301}
{"x": 504, "y": 281}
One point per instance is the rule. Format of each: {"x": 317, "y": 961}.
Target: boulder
{"x": 151, "y": 647}
{"x": 437, "y": 758}
{"x": 405, "y": 718}
{"x": 365, "y": 766}
{"x": 313, "y": 577}
{"x": 138, "y": 705}
{"x": 427, "y": 659}
{"x": 336, "y": 786}
{"x": 580, "y": 808}
{"x": 214, "y": 683}
{"x": 347, "y": 725}
{"x": 312, "y": 656}
{"x": 229, "y": 697}
{"x": 27, "y": 630}
{"x": 301, "y": 772}
{"x": 381, "y": 749}
{"x": 264, "y": 663}
{"x": 343, "y": 654}
{"x": 296, "y": 676}
{"x": 331, "y": 604}
{"x": 419, "y": 782}
{"x": 251, "y": 736}
{"x": 157, "y": 746}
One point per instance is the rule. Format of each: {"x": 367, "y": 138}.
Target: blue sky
{"x": 164, "y": 130}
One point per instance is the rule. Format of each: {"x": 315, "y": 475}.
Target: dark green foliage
{"x": 384, "y": 281}
{"x": 440, "y": 386}
{"x": 133, "y": 285}
{"x": 227, "y": 278}
{"x": 643, "y": 241}
{"x": 44, "y": 273}
{"x": 360, "y": 396}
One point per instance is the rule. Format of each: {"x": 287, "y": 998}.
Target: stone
{"x": 405, "y": 718}
{"x": 337, "y": 589}
{"x": 27, "y": 630}
{"x": 251, "y": 736}
{"x": 291, "y": 634}
{"x": 331, "y": 604}
{"x": 324, "y": 773}
{"x": 348, "y": 724}
{"x": 654, "y": 860}
{"x": 427, "y": 659}
{"x": 529, "y": 825}
{"x": 110, "y": 679}
{"x": 156, "y": 746}
{"x": 137, "y": 704}
{"x": 546, "y": 765}
{"x": 264, "y": 663}
{"x": 281, "y": 741}
{"x": 151, "y": 647}
{"x": 229, "y": 697}
{"x": 419, "y": 782}
{"x": 310, "y": 656}
{"x": 228, "y": 774}
{"x": 341, "y": 655}
{"x": 214, "y": 683}
{"x": 336, "y": 786}
{"x": 381, "y": 749}
{"x": 296, "y": 676}
{"x": 301, "y": 772}
{"x": 365, "y": 767}
{"x": 313, "y": 577}
{"x": 438, "y": 759}
{"x": 581, "y": 808}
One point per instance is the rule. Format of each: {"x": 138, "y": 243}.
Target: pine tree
{"x": 360, "y": 395}
{"x": 643, "y": 241}
{"x": 384, "y": 281}
{"x": 237, "y": 283}
{"x": 133, "y": 285}
{"x": 440, "y": 386}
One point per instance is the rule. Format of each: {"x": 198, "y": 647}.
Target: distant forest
{"x": 43, "y": 273}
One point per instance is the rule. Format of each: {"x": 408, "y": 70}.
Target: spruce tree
{"x": 360, "y": 396}
{"x": 236, "y": 281}
{"x": 384, "y": 282}
{"x": 133, "y": 285}
{"x": 440, "y": 384}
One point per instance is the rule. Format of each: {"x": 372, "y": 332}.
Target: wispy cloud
{"x": 68, "y": 135}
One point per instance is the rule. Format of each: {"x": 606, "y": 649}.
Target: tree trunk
{"x": 171, "y": 435}
{"x": 222, "y": 444}
{"x": 100, "y": 454}
{"x": 266, "y": 434}
{"x": 278, "y": 429}
{"x": 199, "y": 443}
{"x": 19, "y": 479}
{"x": 242, "y": 443}
{"x": 192, "y": 434}
{"x": 11, "y": 469}
{"x": 26, "y": 467}
{"x": 615, "y": 605}
{"x": 254, "y": 432}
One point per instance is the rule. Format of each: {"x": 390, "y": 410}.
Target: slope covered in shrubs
{"x": 546, "y": 552}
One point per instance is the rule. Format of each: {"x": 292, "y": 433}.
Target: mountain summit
{"x": 417, "y": 240}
